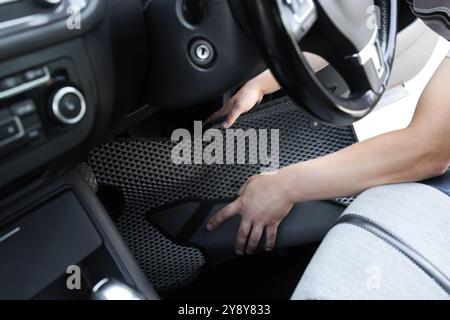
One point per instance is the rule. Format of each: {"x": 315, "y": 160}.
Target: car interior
{"x": 90, "y": 93}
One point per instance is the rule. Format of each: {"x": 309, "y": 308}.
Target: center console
{"x": 48, "y": 97}
{"x": 59, "y": 243}
{"x": 53, "y": 228}
{"x": 46, "y": 110}
{"x": 38, "y": 104}
{"x": 57, "y": 80}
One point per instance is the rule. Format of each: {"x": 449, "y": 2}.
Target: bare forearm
{"x": 418, "y": 152}
{"x": 267, "y": 84}
{"x": 391, "y": 158}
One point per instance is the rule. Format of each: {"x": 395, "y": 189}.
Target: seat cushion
{"x": 404, "y": 255}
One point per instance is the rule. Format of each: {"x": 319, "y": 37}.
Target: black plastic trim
{"x": 97, "y": 214}
{"x": 194, "y": 222}
{"x": 111, "y": 236}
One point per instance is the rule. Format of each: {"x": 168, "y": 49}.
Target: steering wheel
{"x": 357, "y": 38}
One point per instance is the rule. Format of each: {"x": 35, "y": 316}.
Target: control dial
{"x": 68, "y": 106}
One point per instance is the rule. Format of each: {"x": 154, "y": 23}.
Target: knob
{"x": 111, "y": 289}
{"x": 68, "y": 106}
{"x": 48, "y": 3}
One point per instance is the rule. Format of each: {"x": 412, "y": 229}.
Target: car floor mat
{"x": 148, "y": 178}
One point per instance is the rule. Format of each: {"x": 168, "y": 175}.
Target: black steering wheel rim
{"x": 289, "y": 65}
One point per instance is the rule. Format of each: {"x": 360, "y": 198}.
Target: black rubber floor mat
{"x": 144, "y": 171}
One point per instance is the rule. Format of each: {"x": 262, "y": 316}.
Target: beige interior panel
{"x": 415, "y": 46}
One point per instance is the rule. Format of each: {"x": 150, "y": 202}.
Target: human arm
{"x": 420, "y": 151}
{"x": 253, "y": 92}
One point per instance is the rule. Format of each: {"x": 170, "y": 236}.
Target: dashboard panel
{"x": 59, "y": 70}
{"x": 68, "y": 70}
{"x": 46, "y": 109}
{"x": 26, "y": 25}
{"x": 23, "y": 15}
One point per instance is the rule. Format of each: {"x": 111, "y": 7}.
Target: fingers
{"x": 224, "y": 214}
{"x": 240, "y": 106}
{"x": 255, "y": 238}
{"x": 242, "y": 102}
{"x": 242, "y": 236}
{"x": 232, "y": 117}
{"x": 216, "y": 116}
{"x": 212, "y": 117}
{"x": 271, "y": 237}
{"x": 221, "y": 112}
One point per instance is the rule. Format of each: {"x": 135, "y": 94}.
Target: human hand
{"x": 263, "y": 205}
{"x": 246, "y": 98}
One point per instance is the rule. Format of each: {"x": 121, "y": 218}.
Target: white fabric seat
{"x": 393, "y": 243}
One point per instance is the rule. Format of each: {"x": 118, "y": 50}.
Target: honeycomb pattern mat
{"x": 144, "y": 172}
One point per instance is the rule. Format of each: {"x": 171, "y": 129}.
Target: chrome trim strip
{"x": 2, "y": 2}
{"x": 25, "y": 86}
{"x": 9, "y": 234}
{"x": 355, "y": 113}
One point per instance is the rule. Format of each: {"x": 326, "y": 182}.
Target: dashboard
{"x": 74, "y": 73}
{"x": 61, "y": 79}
